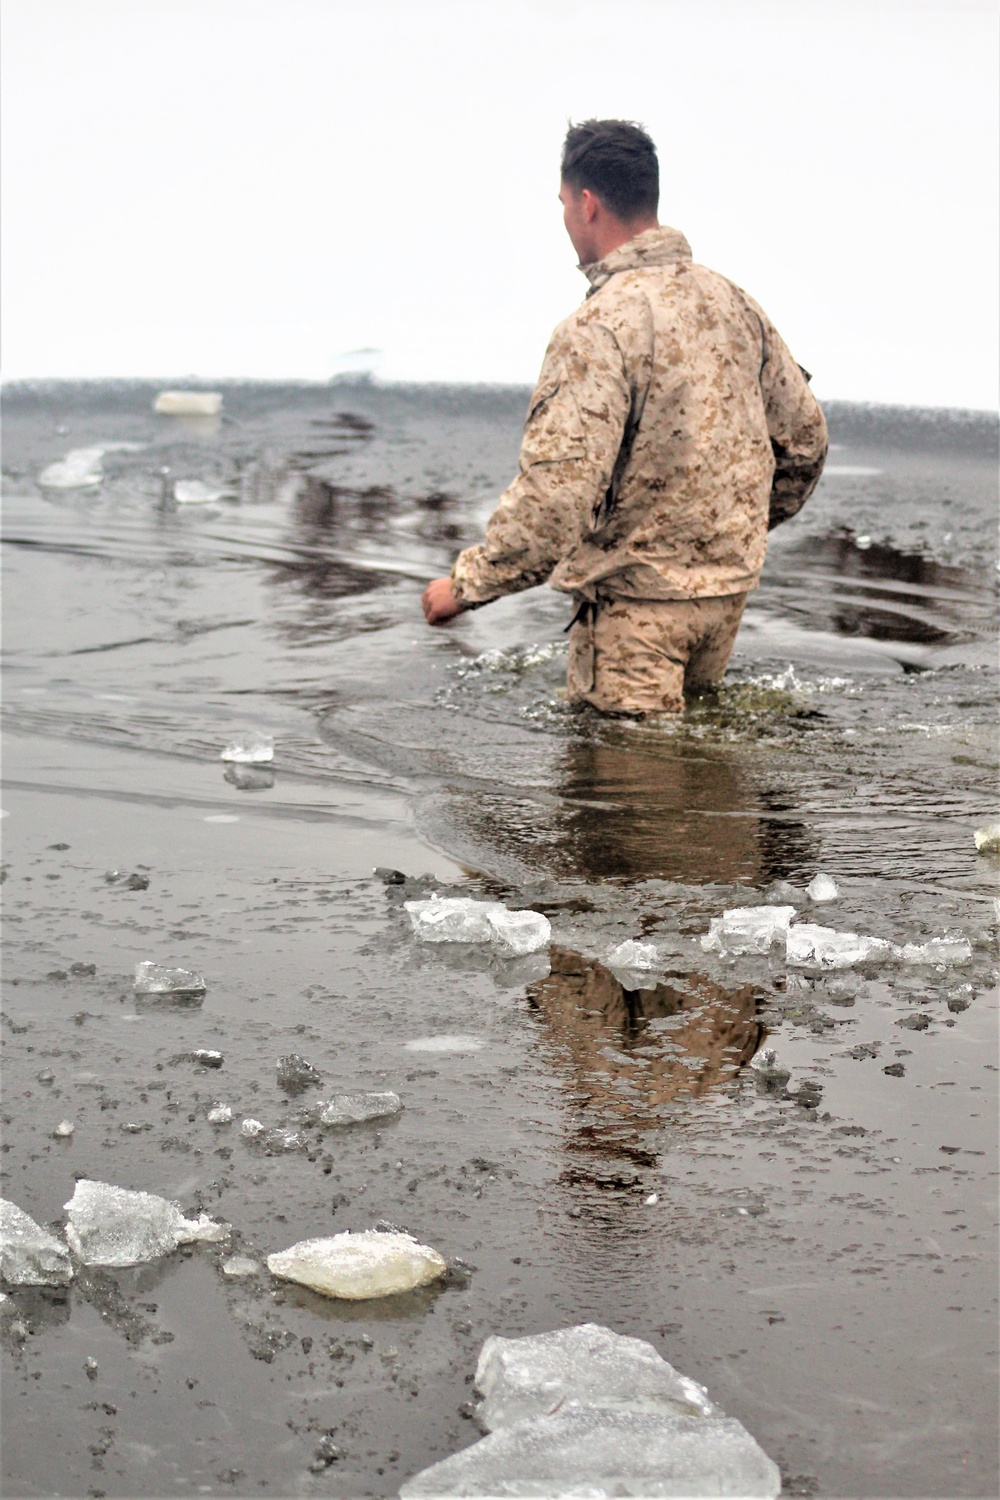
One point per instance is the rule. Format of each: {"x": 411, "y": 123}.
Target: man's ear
{"x": 589, "y": 205}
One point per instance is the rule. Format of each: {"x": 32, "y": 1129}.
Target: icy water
{"x": 821, "y": 1256}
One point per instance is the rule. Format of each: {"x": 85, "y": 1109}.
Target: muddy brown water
{"x": 822, "y": 1257}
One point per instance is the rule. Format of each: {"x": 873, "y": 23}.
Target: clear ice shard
{"x": 253, "y": 749}
{"x": 633, "y": 955}
{"x": 939, "y": 950}
{"x": 351, "y": 1109}
{"x": 358, "y": 1266}
{"x": 809, "y": 946}
{"x": 240, "y": 1265}
{"x": 29, "y": 1254}
{"x": 251, "y": 1128}
{"x": 188, "y": 403}
{"x": 988, "y": 838}
{"x": 591, "y": 1451}
{"x": 460, "y": 919}
{"x": 197, "y": 492}
{"x": 530, "y": 1377}
{"x": 295, "y": 1073}
{"x": 219, "y": 1114}
{"x": 156, "y": 979}
{"x": 79, "y": 470}
{"x": 822, "y": 888}
{"x": 747, "y": 929}
{"x": 113, "y": 1226}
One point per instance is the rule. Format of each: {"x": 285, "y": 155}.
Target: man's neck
{"x": 615, "y": 232}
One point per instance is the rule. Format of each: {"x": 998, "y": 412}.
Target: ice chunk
{"x": 940, "y": 950}
{"x": 350, "y": 1109}
{"x": 809, "y": 946}
{"x": 519, "y": 932}
{"x": 249, "y": 778}
{"x": 79, "y": 470}
{"x": 444, "y": 1043}
{"x": 64, "y": 1129}
{"x": 452, "y": 919}
{"x": 528, "y": 1377}
{"x": 296, "y": 1074}
{"x": 113, "y": 1226}
{"x": 207, "y": 1057}
{"x": 29, "y": 1254}
{"x": 197, "y": 492}
{"x": 128, "y": 882}
{"x": 747, "y": 929}
{"x": 769, "y": 1073}
{"x": 988, "y": 838}
{"x": 356, "y": 1266}
{"x": 240, "y": 1265}
{"x": 155, "y": 979}
{"x": 593, "y": 1451}
{"x": 188, "y": 403}
{"x": 251, "y": 749}
{"x": 633, "y": 955}
{"x": 219, "y": 1114}
{"x": 822, "y": 888}
{"x": 251, "y": 1128}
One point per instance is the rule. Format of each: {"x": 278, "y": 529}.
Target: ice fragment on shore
{"x": 823, "y": 947}
{"x": 769, "y": 1073}
{"x": 197, "y": 492}
{"x": 252, "y": 749}
{"x": 155, "y": 979}
{"x": 251, "y": 1128}
{"x": 747, "y": 929}
{"x": 350, "y": 1109}
{"x": 633, "y": 955}
{"x": 460, "y": 919}
{"x": 219, "y": 1114}
{"x": 240, "y": 1265}
{"x": 940, "y": 950}
{"x": 822, "y": 888}
{"x": 592, "y": 1451}
{"x": 359, "y": 1266}
{"x": 188, "y": 403}
{"x": 208, "y": 1057}
{"x": 80, "y": 469}
{"x": 988, "y": 838}
{"x": 64, "y": 1129}
{"x": 113, "y": 1226}
{"x": 296, "y": 1074}
{"x": 588, "y": 1364}
{"x": 29, "y": 1254}
{"x": 128, "y": 882}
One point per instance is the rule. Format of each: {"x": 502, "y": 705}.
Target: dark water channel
{"x": 821, "y": 1256}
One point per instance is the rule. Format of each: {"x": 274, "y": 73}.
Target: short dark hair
{"x": 615, "y": 159}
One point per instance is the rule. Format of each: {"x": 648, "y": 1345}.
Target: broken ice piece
{"x": 940, "y": 950}
{"x": 389, "y": 876}
{"x": 527, "y": 1377}
{"x": 128, "y": 882}
{"x": 747, "y": 929}
{"x": 822, "y": 888}
{"x": 188, "y": 403}
{"x": 591, "y": 1450}
{"x": 988, "y": 838}
{"x": 822, "y": 947}
{"x": 633, "y": 955}
{"x": 771, "y": 1077}
{"x": 113, "y": 1226}
{"x": 197, "y": 492}
{"x": 249, "y": 778}
{"x": 295, "y": 1074}
{"x": 64, "y": 1129}
{"x": 444, "y": 1043}
{"x": 220, "y": 1114}
{"x": 451, "y": 919}
{"x": 80, "y": 469}
{"x": 518, "y": 932}
{"x": 155, "y": 979}
{"x": 29, "y": 1254}
{"x": 251, "y": 749}
{"x": 207, "y": 1057}
{"x": 358, "y": 1266}
{"x": 251, "y": 1128}
{"x": 350, "y": 1109}
{"x": 240, "y": 1265}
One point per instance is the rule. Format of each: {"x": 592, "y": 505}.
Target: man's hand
{"x": 439, "y": 602}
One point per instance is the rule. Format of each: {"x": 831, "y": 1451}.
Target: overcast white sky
{"x": 258, "y": 187}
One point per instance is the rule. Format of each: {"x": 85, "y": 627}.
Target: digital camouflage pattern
{"x": 640, "y": 656}
{"x": 669, "y": 429}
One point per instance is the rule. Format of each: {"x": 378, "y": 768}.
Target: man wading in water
{"x": 669, "y": 430}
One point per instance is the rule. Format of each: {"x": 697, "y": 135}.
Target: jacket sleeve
{"x": 574, "y": 431}
{"x": 796, "y": 426}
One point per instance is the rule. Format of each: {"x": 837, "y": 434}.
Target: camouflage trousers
{"x": 639, "y": 656}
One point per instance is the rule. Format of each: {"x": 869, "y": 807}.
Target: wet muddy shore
{"x": 819, "y": 1252}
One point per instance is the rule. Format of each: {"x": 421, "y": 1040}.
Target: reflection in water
{"x": 631, "y": 1053}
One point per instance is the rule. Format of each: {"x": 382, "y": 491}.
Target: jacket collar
{"x": 654, "y": 247}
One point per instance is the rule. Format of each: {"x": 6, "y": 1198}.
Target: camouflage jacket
{"x": 669, "y": 429}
